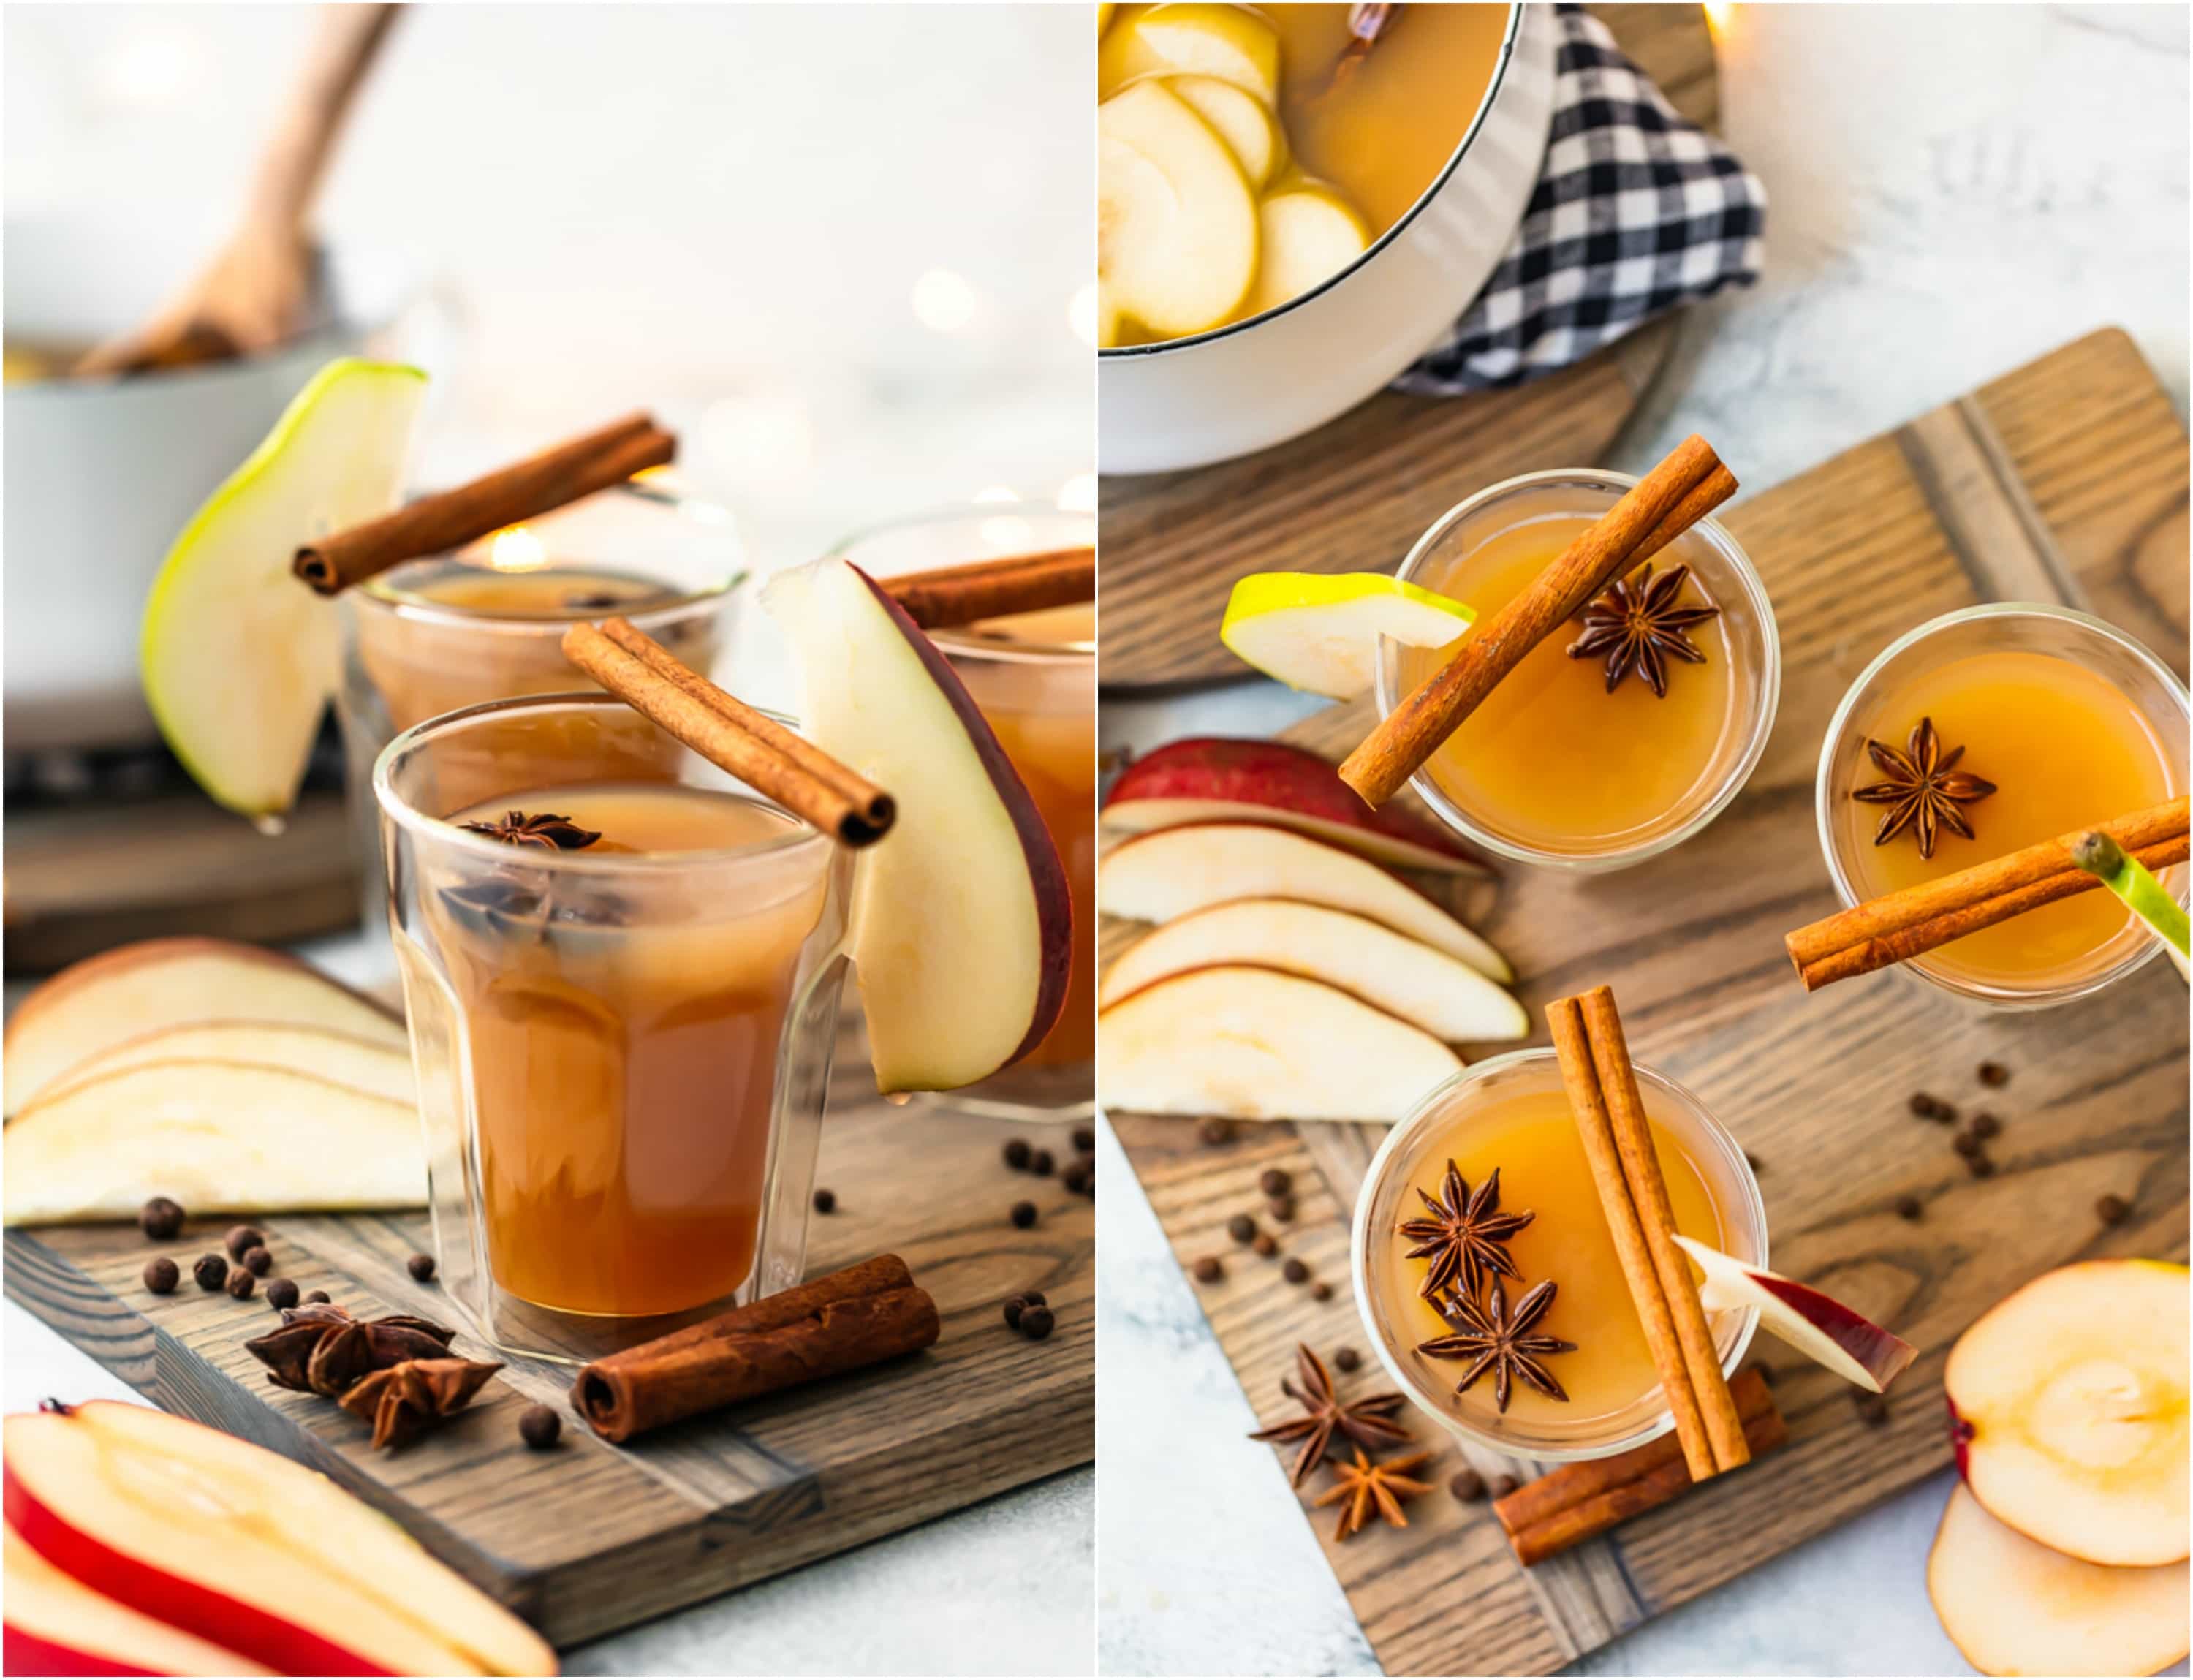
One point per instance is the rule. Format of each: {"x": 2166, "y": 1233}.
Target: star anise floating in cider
{"x": 1465, "y": 1236}
{"x": 1639, "y": 624}
{"x": 1496, "y": 1338}
{"x": 1925, "y": 791}
{"x": 1369, "y": 1421}
{"x": 547, "y": 831}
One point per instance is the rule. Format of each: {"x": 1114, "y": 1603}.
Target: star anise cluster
{"x": 396, "y": 1372}
{"x": 1369, "y": 1421}
{"x": 1925, "y": 791}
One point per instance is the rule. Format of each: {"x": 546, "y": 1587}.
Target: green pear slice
{"x": 1320, "y": 633}
{"x": 1175, "y": 222}
{"x": 238, "y": 658}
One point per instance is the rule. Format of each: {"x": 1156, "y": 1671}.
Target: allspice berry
{"x": 241, "y": 1237}
{"x": 257, "y": 1261}
{"x": 1210, "y": 1268}
{"x": 317, "y": 1298}
{"x": 1017, "y": 1153}
{"x": 1024, "y": 1214}
{"x": 1501, "y": 1486}
{"x": 281, "y": 1293}
{"x": 1467, "y": 1486}
{"x": 825, "y": 1201}
{"x": 162, "y": 1275}
{"x": 1241, "y": 1227}
{"x": 1036, "y": 1322}
{"x": 211, "y": 1270}
{"x": 541, "y": 1426}
{"x": 1320, "y": 1291}
{"x": 241, "y": 1283}
{"x": 422, "y": 1267}
{"x": 160, "y": 1219}
{"x": 1215, "y": 1131}
{"x": 1275, "y": 1181}
{"x": 1265, "y": 1244}
{"x": 1085, "y": 1140}
{"x": 1040, "y": 1163}
{"x": 1295, "y": 1271}
{"x": 1347, "y": 1359}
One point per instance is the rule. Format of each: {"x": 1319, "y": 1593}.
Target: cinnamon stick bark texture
{"x": 858, "y": 1317}
{"x": 434, "y": 525}
{"x": 1580, "y": 1502}
{"x": 1652, "y": 513}
{"x": 995, "y": 589}
{"x": 1892, "y": 929}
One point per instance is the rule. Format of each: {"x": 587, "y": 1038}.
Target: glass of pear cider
{"x": 1034, "y": 677}
{"x": 2074, "y": 721}
{"x": 435, "y": 635}
{"x": 1510, "y": 1112}
{"x": 621, "y": 1046}
{"x": 1553, "y": 768}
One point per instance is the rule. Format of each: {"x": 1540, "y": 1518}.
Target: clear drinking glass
{"x": 1720, "y": 571}
{"x": 1413, "y": 1153}
{"x": 435, "y": 635}
{"x": 621, "y": 1056}
{"x": 1034, "y": 678}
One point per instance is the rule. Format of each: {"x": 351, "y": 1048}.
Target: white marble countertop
{"x": 1953, "y": 191}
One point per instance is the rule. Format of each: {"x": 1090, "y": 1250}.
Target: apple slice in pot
{"x": 1818, "y": 1326}
{"x": 962, "y": 927}
{"x": 1176, "y": 223}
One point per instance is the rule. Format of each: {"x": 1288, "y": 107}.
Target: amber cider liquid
{"x": 1531, "y": 1137}
{"x": 623, "y": 1048}
{"x": 2065, "y": 748}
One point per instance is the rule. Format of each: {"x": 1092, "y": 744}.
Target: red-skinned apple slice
{"x": 1210, "y": 778}
{"x": 1818, "y": 1326}
{"x": 2014, "y": 1606}
{"x": 56, "y": 1625}
{"x": 1404, "y": 976}
{"x": 1255, "y": 1044}
{"x": 2067, "y": 1403}
{"x": 237, "y": 1544}
{"x": 1155, "y": 877}
{"x": 962, "y": 927}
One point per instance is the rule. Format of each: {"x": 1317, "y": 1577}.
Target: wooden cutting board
{"x": 591, "y": 1538}
{"x": 2065, "y": 481}
{"x": 1354, "y": 494}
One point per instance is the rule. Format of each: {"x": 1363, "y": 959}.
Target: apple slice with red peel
{"x": 56, "y": 1625}
{"x": 2014, "y": 1606}
{"x": 1209, "y": 778}
{"x": 2068, "y": 1409}
{"x": 1818, "y": 1326}
{"x": 1255, "y": 1044}
{"x": 1157, "y": 876}
{"x": 237, "y": 1544}
{"x": 962, "y": 931}
{"x": 1404, "y": 976}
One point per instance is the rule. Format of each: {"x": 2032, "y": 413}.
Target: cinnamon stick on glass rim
{"x": 1659, "y": 508}
{"x": 1899, "y": 926}
{"x": 997, "y": 588}
{"x": 729, "y": 733}
{"x": 434, "y": 525}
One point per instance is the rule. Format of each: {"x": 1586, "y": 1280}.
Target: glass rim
{"x": 1387, "y": 689}
{"x": 955, "y": 640}
{"x": 1824, "y": 804}
{"x": 400, "y": 810}
{"x": 1732, "y": 1156}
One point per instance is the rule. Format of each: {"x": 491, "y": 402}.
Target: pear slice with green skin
{"x": 237, "y": 657}
{"x": 2144, "y": 896}
{"x": 1320, "y": 633}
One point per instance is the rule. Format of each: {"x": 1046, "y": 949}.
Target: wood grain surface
{"x": 591, "y": 1538}
{"x": 2066, "y": 479}
{"x": 1354, "y": 494}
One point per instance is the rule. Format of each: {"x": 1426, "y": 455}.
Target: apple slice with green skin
{"x": 238, "y": 658}
{"x": 1155, "y": 877}
{"x": 2067, "y": 1403}
{"x": 1230, "y": 43}
{"x": 962, "y": 929}
{"x": 1247, "y": 125}
{"x": 1818, "y": 1326}
{"x": 1406, "y": 978}
{"x": 1305, "y": 235}
{"x": 1176, "y": 221}
{"x": 219, "y": 1137}
{"x": 2012, "y": 1606}
{"x": 237, "y": 1544}
{"x": 56, "y": 1625}
{"x": 1320, "y": 633}
{"x": 365, "y": 1064}
{"x": 1213, "y": 778}
{"x": 1255, "y": 1044}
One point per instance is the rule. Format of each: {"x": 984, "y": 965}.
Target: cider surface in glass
{"x": 623, "y": 1052}
{"x": 1550, "y": 758}
{"x": 1532, "y": 1138}
{"x": 2065, "y": 748}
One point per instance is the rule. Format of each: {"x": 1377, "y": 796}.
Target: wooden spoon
{"x": 1366, "y": 22}
{"x": 254, "y": 293}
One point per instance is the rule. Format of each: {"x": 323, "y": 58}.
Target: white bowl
{"x": 1191, "y": 401}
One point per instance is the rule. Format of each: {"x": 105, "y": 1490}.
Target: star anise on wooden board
{"x": 1638, "y": 624}
{"x": 1464, "y": 1235}
{"x": 322, "y": 1350}
{"x": 405, "y": 1400}
{"x": 1368, "y": 1487}
{"x": 1497, "y": 1338}
{"x": 1369, "y": 1421}
{"x": 547, "y": 831}
{"x": 1925, "y": 789}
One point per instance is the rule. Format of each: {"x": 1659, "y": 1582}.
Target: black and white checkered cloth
{"x": 1636, "y": 211}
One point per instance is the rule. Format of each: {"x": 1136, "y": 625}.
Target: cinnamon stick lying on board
{"x": 729, "y": 733}
{"x": 858, "y": 1317}
{"x": 1690, "y": 483}
{"x": 434, "y": 525}
{"x": 1899, "y": 926}
{"x": 995, "y": 589}
{"x": 1580, "y": 1502}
